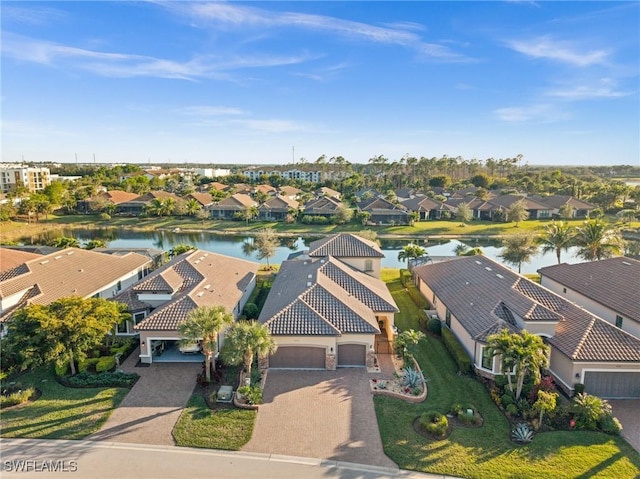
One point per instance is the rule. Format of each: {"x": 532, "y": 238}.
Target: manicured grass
{"x": 60, "y": 413}
{"x": 200, "y": 426}
{"x": 486, "y": 452}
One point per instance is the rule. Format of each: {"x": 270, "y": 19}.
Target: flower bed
{"x": 395, "y": 387}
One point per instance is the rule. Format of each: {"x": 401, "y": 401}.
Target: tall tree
{"x": 192, "y": 206}
{"x": 556, "y": 237}
{"x": 63, "y": 331}
{"x": 596, "y": 240}
{"x": 244, "y": 341}
{"x": 464, "y": 213}
{"x": 518, "y": 249}
{"x": 203, "y": 325}
{"x": 265, "y": 244}
{"x": 517, "y": 212}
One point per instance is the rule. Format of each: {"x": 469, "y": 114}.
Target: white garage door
{"x": 298, "y": 357}
{"x": 352, "y": 354}
{"x": 612, "y": 385}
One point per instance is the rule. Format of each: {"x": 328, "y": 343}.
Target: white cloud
{"x": 566, "y": 52}
{"x": 208, "y": 110}
{"x": 537, "y": 113}
{"x": 124, "y": 65}
{"x": 604, "y": 88}
{"x": 236, "y": 16}
{"x": 31, "y": 15}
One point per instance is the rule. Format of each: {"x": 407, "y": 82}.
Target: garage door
{"x": 298, "y": 357}
{"x": 352, "y": 354}
{"x": 612, "y": 385}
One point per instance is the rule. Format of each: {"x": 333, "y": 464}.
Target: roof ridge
{"x": 306, "y": 303}
{"x": 583, "y": 339}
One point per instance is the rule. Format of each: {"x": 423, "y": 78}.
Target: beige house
{"x": 69, "y": 272}
{"x": 609, "y": 288}
{"x": 359, "y": 253}
{"x": 160, "y": 302}
{"x": 325, "y": 314}
{"x": 476, "y": 297}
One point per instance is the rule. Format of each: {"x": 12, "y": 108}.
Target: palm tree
{"x": 204, "y": 324}
{"x": 245, "y": 340}
{"x": 556, "y": 237}
{"x": 65, "y": 242}
{"x": 192, "y": 206}
{"x": 597, "y": 240}
{"x": 411, "y": 251}
{"x": 518, "y": 249}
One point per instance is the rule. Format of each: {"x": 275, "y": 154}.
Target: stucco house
{"x": 359, "y": 253}
{"x": 609, "y": 288}
{"x": 277, "y": 208}
{"x": 475, "y": 297}
{"x": 383, "y": 211}
{"x": 325, "y": 206}
{"x": 580, "y": 209}
{"x": 227, "y": 208}
{"x": 428, "y": 208}
{"x": 162, "y": 300}
{"x": 68, "y": 272}
{"x": 138, "y": 205}
{"x": 325, "y": 314}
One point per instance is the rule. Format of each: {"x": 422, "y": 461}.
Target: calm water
{"x": 237, "y": 246}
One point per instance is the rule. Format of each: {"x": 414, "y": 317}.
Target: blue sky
{"x": 267, "y": 82}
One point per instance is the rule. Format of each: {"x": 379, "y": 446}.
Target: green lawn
{"x": 200, "y": 426}
{"x": 486, "y": 452}
{"x": 60, "y": 413}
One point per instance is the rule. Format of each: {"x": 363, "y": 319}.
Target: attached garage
{"x": 612, "y": 385}
{"x": 298, "y": 357}
{"x": 352, "y": 355}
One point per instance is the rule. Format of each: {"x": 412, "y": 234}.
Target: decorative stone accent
{"x": 330, "y": 362}
{"x": 371, "y": 358}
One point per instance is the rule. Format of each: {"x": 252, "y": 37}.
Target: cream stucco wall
{"x": 360, "y": 263}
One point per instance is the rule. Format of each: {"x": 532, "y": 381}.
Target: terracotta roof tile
{"x": 345, "y": 245}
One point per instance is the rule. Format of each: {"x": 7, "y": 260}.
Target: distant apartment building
{"x": 310, "y": 173}
{"x": 211, "y": 172}
{"x": 13, "y": 176}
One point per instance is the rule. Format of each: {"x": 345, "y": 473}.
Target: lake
{"x": 236, "y": 246}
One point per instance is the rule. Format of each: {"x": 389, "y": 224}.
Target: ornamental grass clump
{"x": 434, "y": 423}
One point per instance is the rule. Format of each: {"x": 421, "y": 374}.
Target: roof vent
{"x": 200, "y": 294}
{"x": 44, "y": 262}
{"x": 69, "y": 253}
{"x": 207, "y": 286}
{"x": 487, "y": 268}
{"x": 309, "y": 276}
{"x": 309, "y": 283}
{"x": 196, "y": 261}
{"x": 478, "y": 262}
{"x": 626, "y": 263}
{"x": 58, "y": 257}
{"x": 81, "y": 270}
{"x": 499, "y": 276}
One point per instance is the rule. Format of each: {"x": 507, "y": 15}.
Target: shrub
{"x": 107, "y": 379}
{"x": 456, "y": 350}
{"x": 512, "y": 409}
{"x": 254, "y": 396}
{"x": 546, "y": 384}
{"x": 588, "y": 409}
{"x": 578, "y": 388}
{"x": 62, "y": 369}
{"x": 416, "y": 391}
{"x": 434, "y": 326}
{"x": 559, "y": 417}
{"x": 88, "y": 365}
{"x": 465, "y": 418}
{"x": 522, "y": 433}
{"x": 501, "y": 381}
{"x": 251, "y": 311}
{"x": 609, "y": 424}
{"x": 105, "y": 363}
{"x": 17, "y": 397}
{"x": 506, "y": 399}
{"x": 105, "y": 216}
{"x": 434, "y": 423}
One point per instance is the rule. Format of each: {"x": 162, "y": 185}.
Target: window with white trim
{"x": 487, "y": 359}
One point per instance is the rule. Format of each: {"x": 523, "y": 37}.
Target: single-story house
{"x": 114, "y": 197}
{"x": 325, "y": 314}
{"x": 383, "y": 211}
{"x": 609, "y": 288}
{"x": 204, "y": 199}
{"x": 290, "y": 192}
{"x": 536, "y": 209}
{"x": 277, "y": 208}
{"x": 325, "y": 206}
{"x": 475, "y": 297}
{"x": 68, "y": 272}
{"x": 227, "y": 208}
{"x": 581, "y": 209}
{"x": 427, "y": 208}
{"x": 328, "y": 192}
{"x": 160, "y": 302}
{"x": 138, "y": 205}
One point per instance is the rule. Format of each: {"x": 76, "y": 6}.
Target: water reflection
{"x": 242, "y": 246}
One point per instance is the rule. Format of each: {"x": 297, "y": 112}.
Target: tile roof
{"x": 506, "y": 201}
{"x": 279, "y": 202}
{"x": 323, "y": 293}
{"x": 118, "y": 196}
{"x": 613, "y": 282}
{"x": 424, "y": 203}
{"x": 380, "y": 205}
{"x": 70, "y": 272}
{"x": 557, "y": 201}
{"x": 129, "y": 298}
{"x": 203, "y": 198}
{"x": 10, "y": 258}
{"x": 199, "y": 278}
{"x": 345, "y": 245}
{"x": 474, "y": 293}
{"x": 322, "y": 205}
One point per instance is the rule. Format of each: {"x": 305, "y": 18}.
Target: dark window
{"x": 368, "y": 265}
{"x": 119, "y": 287}
{"x": 487, "y": 359}
{"x": 139, "y": 317}
{"x": 564, "y": 290}
{"x": 618, "y": 321}
{"x": 122, "y": 327}
{"x": 447, "y": 317}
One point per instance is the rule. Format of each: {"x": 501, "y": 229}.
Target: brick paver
{"x": 628, "y": 412}
{"x": 152, "y": 407}
{"x": 321, "y": 414}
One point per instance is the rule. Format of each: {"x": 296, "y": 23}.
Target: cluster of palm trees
{"x": 595, "y": 239}
{"x": 244, "y": 340}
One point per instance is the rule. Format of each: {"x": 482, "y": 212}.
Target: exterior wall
{"x": 33, "y": 178}
{"x": 10, "y": 301}
{"x": 359, "y": 264}
{"x": 389, "y": 322}
{"x": 111, "y": 289}
{"x": 155, "y": 300}
{"x": 630, "y": 325}
{"x": 547, "y": 329}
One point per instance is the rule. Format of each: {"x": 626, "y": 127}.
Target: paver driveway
{"x": 152, "y": 407}
{"x": 321, "y": 414}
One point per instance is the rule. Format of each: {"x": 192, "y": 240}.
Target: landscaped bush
{"x": 106, "y": 363}
{"x": 411, "y": 378}
{"x": 506, "y": 399}
{"x": 251, "y": 394}
{"x": 89, "y": 380}
{"x": 457, "y": 351}
{"x": 512, "y": 409}
{"x": 251, "y": 311}
{"x": 17, "y": 397}
{"x": 315, "y": 220}
{"x": 522, "y": 433}
{"x": 434, "y": 326}
{"x": 465, "y": 418}
{"x": 434, "y": 423}
{"x": 609, "y": 424}
{"x": 88, "y": 364}
{"x": 578, "y": 388}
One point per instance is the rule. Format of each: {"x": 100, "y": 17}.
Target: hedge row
{"x": 104, "y": 379}
{"x": 457, "y": 351}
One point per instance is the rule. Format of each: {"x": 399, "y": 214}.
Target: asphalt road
{"x": 62, "y": 459}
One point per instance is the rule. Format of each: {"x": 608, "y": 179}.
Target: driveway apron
{"x": 152, "y": 407}
{"x": 628, "y": 412}
{"x": 321, "y": 414}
